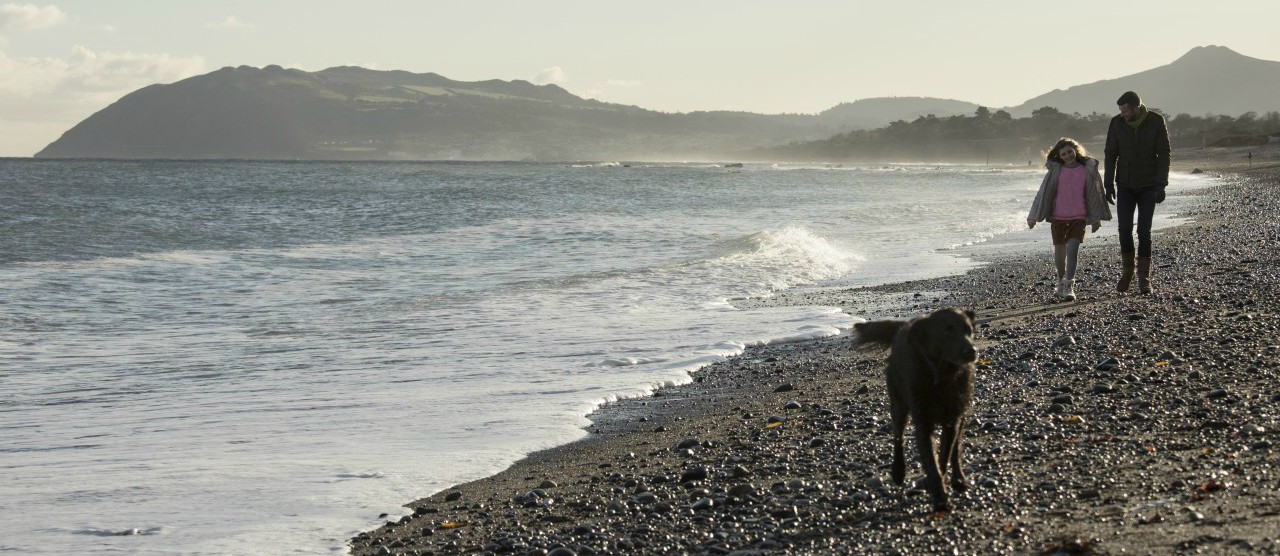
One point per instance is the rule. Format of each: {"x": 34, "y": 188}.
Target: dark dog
{"x": 930, "y": 378}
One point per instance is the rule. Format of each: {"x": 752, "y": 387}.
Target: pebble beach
{"x": 1114, "y": 424}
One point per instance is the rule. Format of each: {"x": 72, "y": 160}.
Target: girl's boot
{"x": 1069, "y": 280}
{"x": 1060, "y": 261}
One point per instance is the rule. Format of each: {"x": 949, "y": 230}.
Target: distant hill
{"x": 359, "y": 114}
{"x": 1205, "y": 80}
{"x": 356, "y": 113}
{"x": 870, "y": 113}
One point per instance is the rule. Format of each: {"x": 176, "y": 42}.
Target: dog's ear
{"x": 969, "y": 313}
{"x": 918, "y": 334}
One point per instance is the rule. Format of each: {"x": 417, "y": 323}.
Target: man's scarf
{"x": 1138, "y": 121}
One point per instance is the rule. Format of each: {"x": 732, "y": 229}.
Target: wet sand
{"x": 1115, "y": 424}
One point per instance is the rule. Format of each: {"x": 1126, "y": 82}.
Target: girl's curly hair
{"x": 1081, "y": 154}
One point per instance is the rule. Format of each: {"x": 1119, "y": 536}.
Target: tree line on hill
{"x": 998, "y": 137}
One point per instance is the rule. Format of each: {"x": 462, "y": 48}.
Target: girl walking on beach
{"x": 1070, "y": 197}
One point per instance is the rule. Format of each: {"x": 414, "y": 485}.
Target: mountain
{"x": 1205, "y": 80}
{"x": 870, "y": 113}
{"x": 359, "y": 114}
{"x": 356, "y": 113}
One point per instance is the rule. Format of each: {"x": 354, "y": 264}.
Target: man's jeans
{"x": 1144, "y": 200}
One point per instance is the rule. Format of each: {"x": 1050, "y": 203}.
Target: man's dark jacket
{"x": 1137, "y": 158}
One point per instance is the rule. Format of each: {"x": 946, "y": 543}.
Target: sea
{"x": 231, "y": 357}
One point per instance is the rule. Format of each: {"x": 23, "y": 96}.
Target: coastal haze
{"x": 63, "y": 62}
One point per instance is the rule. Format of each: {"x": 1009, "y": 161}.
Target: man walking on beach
{"x": 1137, "y": 160}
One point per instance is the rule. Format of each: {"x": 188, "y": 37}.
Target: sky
{"x": 62, "y": 61}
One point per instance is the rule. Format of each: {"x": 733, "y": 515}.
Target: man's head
{"x": 1129, "y": 104}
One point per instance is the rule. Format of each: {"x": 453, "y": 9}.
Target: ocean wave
{"x": 366, "y": 475}
{"x": 785, "y": 258}
{"x": 597, "y": 165}
{"x": 469, "y": 314}
{"x": 628, "y": 361}
{"x": 130, "y": 532}
{"x": 807, "y": 333}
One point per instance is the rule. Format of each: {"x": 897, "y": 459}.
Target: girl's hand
{"x": 1031, "y": 223}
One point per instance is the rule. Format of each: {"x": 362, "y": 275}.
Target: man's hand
{"x": 1111, "y": 194}
{"x": 1031, "y": 223}
{"x": 1095, "y": 227}
{"x": 1160, "y": 196}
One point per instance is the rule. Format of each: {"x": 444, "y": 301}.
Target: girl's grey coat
{"x": 1095, "y": 200}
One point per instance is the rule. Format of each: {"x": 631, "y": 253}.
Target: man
{"x": 1137, "y": 171}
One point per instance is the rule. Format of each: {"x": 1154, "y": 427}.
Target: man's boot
{"x": 1068, "y": 289}
{"x": 1126, "y": 271}
{"x": 1144, "y": 275}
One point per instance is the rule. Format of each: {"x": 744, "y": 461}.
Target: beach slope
{"x": 1114, "y": 424}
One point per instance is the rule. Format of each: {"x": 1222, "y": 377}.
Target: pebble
{"x": 1251, "y": 429}
{"x": 698, "y": 473}
{"x": 1108, "y": 364}
{"x": 688, "y": 443}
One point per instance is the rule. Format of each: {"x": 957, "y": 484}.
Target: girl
{"x": 1070, "y": 196}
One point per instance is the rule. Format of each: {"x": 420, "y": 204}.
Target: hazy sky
{"x": 62, "y": 61}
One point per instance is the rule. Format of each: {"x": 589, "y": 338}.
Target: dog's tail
{"x": 877, "y": 334}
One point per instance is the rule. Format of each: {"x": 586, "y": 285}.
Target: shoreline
{"x": 1167, "y": 451}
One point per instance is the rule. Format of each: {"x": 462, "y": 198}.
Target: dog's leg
{"x": 949, "y": 454}
{"x": 945, "y": 444}
{"x": 929, "y": 459}
{"x": 958, "y": 481}
{"x": 898, "y": 411}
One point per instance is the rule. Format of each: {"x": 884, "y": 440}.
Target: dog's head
{"x": 946, "y": 336}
